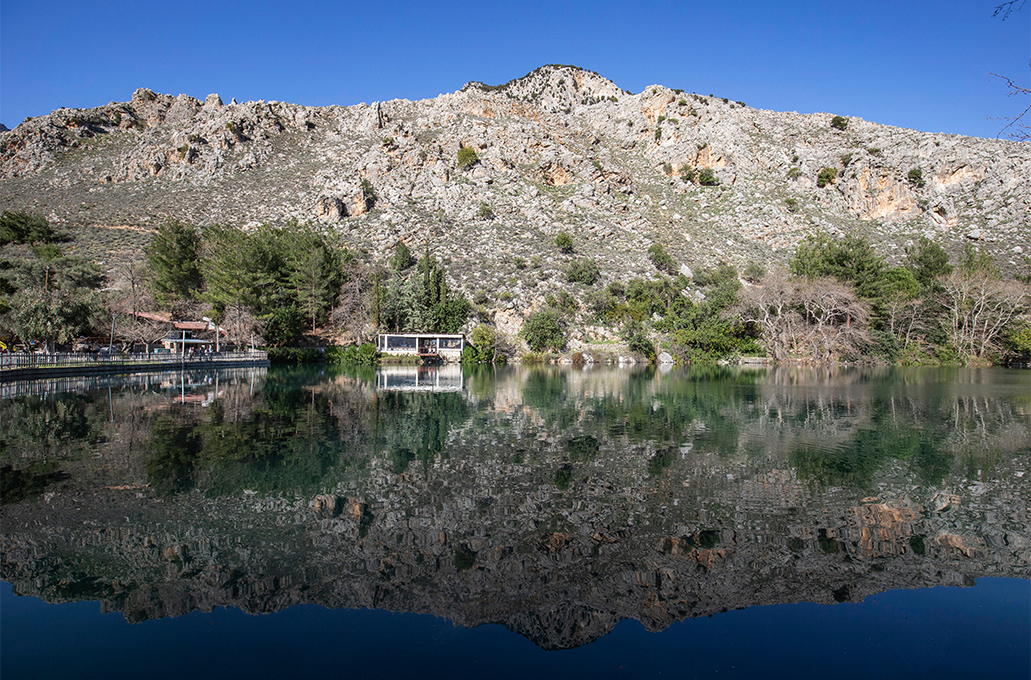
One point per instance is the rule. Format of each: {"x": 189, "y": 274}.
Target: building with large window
{"x": 427, "y": 346}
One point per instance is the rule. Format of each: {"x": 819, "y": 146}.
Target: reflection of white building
{"x": 432, "y": 346}
{"x": 446, "y": 378}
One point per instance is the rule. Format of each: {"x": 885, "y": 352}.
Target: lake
{"x": 440, "y": 521}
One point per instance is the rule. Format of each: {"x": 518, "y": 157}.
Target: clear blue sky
{"x": 915, "y": 64}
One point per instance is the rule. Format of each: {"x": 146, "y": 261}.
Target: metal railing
{"x": 88, "y": 359}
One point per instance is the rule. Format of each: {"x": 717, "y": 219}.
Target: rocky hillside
{"x": 558, "y": 149}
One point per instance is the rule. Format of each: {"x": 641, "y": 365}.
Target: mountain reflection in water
{"x": 553, "y": 501}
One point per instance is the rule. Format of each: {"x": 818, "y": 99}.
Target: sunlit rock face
{"x": 553, "y": 502}
{"x": 560, "y": 149}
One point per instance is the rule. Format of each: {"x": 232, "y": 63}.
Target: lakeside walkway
{"x": 58, "y": 364}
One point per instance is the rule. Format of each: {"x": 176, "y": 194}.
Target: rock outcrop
{"x": 560, "y": 149}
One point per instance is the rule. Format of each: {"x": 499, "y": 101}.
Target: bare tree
{"x": 817, "y": 319}
{"x": 980, "y": 309}
{"x": 353, "y": 313}
{"x": 241, "y": 325}
{"x": 836, "y": 318}
{"x": 131, "y": 301}
{"x": 1016, "y": 129}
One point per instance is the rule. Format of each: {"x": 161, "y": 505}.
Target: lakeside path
{"x": 34, "y": 366}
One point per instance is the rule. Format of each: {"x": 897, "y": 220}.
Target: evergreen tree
{"x": 174, "y": 259}
{"x": 927, "y": 261}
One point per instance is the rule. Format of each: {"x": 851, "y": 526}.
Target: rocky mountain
{"x": 560, "y": 149}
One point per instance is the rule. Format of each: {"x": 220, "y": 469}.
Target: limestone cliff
{"x": 558, "y": 149}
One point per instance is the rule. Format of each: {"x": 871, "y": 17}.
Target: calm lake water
{"x": 774, "y": 522}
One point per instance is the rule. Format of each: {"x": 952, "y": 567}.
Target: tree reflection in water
{"x": 573, "y": 498}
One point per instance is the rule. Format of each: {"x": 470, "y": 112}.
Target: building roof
{"x": 424, "y": 335}
{"x": 191, "y": 325}
{"x": 152, "y": 317}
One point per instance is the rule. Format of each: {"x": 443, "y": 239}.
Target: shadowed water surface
{"x": 553, "y": 502}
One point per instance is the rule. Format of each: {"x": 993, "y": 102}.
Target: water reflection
{"x": 439, "y": 378}
{"x": 554, "y": 501}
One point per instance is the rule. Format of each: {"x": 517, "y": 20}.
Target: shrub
{"x": 638, "y": 343}
{"x": 849, "y": 259}
{"x": 661, "y": 259}
{"x": 485, "y": 212}
{"x": 793, "y": 173}
{"x": 370, "y": 193}
{"x": 583, "y": 271}
{"x": 716, "y": 276}
{"x": 1017, "y": 342}
{"x": 467, "y": 157}
{"x": 483, "y": 347}
{"x": 658, "y": 133}
{"x": 754, "y": 272}
{"x": 355, "y": 355}
{"x": 839, "y": 122}
{"x": 23, "y": 227}
{"x": 792, "y": 204}
{"x": 542, "y": 331}
{"x": 294, "y": 355}
{"x": 916, "y": 177}
{"x": 707, "y": 178}
{"x": 927, "y": 261}
{"x": 564, "y": 242}
{"x": 566, "y": 302}
{"x": 873, "y": 151}
{"x": 687, "y": 173}
{"x": 826, "y": 176}
{"x": 402, "y": 258}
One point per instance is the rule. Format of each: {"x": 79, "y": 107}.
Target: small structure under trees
{"x": 443, "y": 346}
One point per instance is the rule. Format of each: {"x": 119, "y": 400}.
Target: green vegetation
{"x": 662, "y": 261}
{"x": 422, "y": 301}
{"x": 174, "y": 259}
{"x": 839, "y": 122}
{"x": 21, "y": 227}
{"x": 754, "y": 272}
{"x": 826, "y": 176}
{"x": 708, "y": 178}
{"x": 402, "y": 258}
{"x": 467, "y": 157}
{"x": 48, "y": 297}
{"x": 542, "y": 331}
{"x": 281, "y": 281}
{"x": 927, "y": 261}
{"x": 922, "y": 312}
{"x": 369, "y": 193}
{"x": 916, "y": 177}
{"x": 564, "y": 242}
{"x": 584, "y": 271}
{"x": 485, "y": 346}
